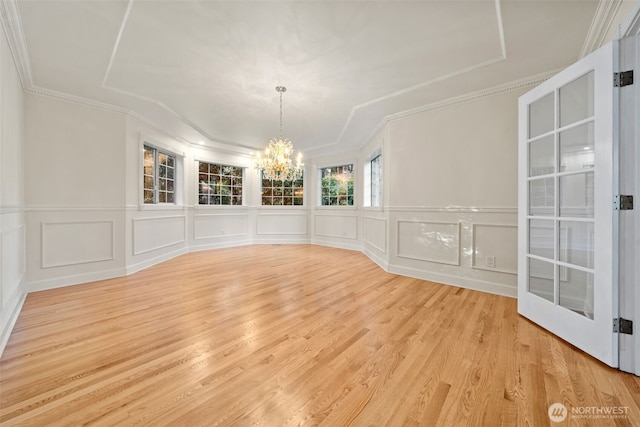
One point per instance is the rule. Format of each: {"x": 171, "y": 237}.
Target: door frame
{"x": 629, "y": 221}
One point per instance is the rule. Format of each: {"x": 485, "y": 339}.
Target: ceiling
{"x": 207, "y": 70}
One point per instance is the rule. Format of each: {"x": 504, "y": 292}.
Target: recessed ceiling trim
{"x": 502, "y": 57}
{"x": 117, "y": 43}
{"x": 472, "y": 96}
{"x": 12, "y": 24}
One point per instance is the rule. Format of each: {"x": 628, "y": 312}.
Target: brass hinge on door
{"x": 623, "y": 78}
{"x": 623, "y": 326}
{"x": 623, "y": 202}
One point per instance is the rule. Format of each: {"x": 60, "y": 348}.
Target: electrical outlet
{"x": 491, "y": 262}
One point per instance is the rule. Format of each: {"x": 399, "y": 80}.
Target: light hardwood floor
{"x": 292, "y": 335}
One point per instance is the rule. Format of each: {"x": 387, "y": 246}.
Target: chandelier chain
{"x": 280, "y": 115}
{"x": 275, "y": 162}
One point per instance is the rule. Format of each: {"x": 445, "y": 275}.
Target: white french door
{"x": 567, "y": 277}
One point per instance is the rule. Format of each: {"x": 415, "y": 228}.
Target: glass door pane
{"x": 565, "y": 216}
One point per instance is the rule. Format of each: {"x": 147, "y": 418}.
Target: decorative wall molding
{"x": 600, "y": 25}
{"x": 455, "y": 209}
{"x": 468, "y": 97}
{"x": 6, "y": 210}
{"x": 81, "y": 255}
{"x": 343, "y": 230}
{"x": 70, "y": 208}
{"x": 22, "y": 269}
{"x": 474, "y": 263}
{"x": 446, "y": 230}
{"x": 197, "y": 235}
{"x": 365, "y": 235}
{"x": 12, "y": 24}
{"x": 136, "y": 237}
{"x": 283, "y": 219}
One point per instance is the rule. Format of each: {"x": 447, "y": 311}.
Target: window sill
{"x": 162, "y": 207}
{"x": 373, "y": 209}
{"x": 346, "y": 208}
{"x": 219, "y": 207}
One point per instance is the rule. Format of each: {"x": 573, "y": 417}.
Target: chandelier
{"x": 275, "y": 162}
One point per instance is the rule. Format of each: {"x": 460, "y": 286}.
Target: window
{"x": 159, "y": 176}
{"x": 376, "y": 180}
{"x": 219, "y": 184}
{"x": 336, "y": 186}
{"x": 282, "y": 193}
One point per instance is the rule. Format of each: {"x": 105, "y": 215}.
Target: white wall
{"x": 74, "y": 192}
{"x": 12, "y": 218}
{"x": 452, "y": 193}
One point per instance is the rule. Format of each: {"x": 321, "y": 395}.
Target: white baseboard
{"x": 10, "y": 316}
{"x": 350, "y": 245}
{"x": 76, "y": 279}
{"x": 461, "y": 282}
{"x": 375, "y": 258}
{"x": 134, "y": 268}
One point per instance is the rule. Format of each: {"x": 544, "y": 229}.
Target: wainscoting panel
{"x": 207, "y": 226}
{"x": 150, "y": 234}
{"x": 495, "y": 247}
{"x": 281, "y": 224}
{"x": 340, "y": 226}
{"x": 12, "y": 260}
{"x": 375, "y": 232}
{"x": 429, "y": 241}
{"x": 77, "y": 242}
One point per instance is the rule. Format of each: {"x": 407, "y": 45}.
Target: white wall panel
{"x": 13, "y": 262}
{"x": 154, "y": 233}
{"x": 429, "y": 241}
{"x": 220, "y": 225}
{"x": 375, "y": 232}
{"x": 341, "y": 226}
{"x": 499, "y": 241}
{"x": 77, "y": 242}
{"x": 281, "y": 224}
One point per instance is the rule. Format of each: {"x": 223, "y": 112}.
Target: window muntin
{"x": 219, "y": 184}
{"x": 336, "y": 185}
{"x": 159, "y": 176}
{"x": 282, "y": 193}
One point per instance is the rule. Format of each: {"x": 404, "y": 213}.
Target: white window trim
{"x": 179, "y": 175}
{"x": 196, "y": 180}
{"x": 304, "y": 194}
{"x": 318, "y": 179}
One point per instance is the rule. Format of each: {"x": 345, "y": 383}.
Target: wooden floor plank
{"x": 278, "y": 335}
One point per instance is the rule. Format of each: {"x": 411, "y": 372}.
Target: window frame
{"x": 293, "y": 205}
{"x": 376, "y": 188}
{"x": 197, "y": 173}
{"x": 338, "y": 164}
{"x": 178, "y": 179}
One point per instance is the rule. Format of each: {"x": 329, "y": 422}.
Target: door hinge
{"x": 623, "y": 326}
{"x": 623, "y": 202}
{"x": 623, "y": 78}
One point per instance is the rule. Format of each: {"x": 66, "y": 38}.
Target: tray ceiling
{"x": 206, "y": 70}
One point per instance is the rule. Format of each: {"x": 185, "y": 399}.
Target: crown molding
{"x": 630, "y": 26}
{"x": 12, "y": 24}
{"x": 600, "y": 25}
{"x": 468, "y": 97}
